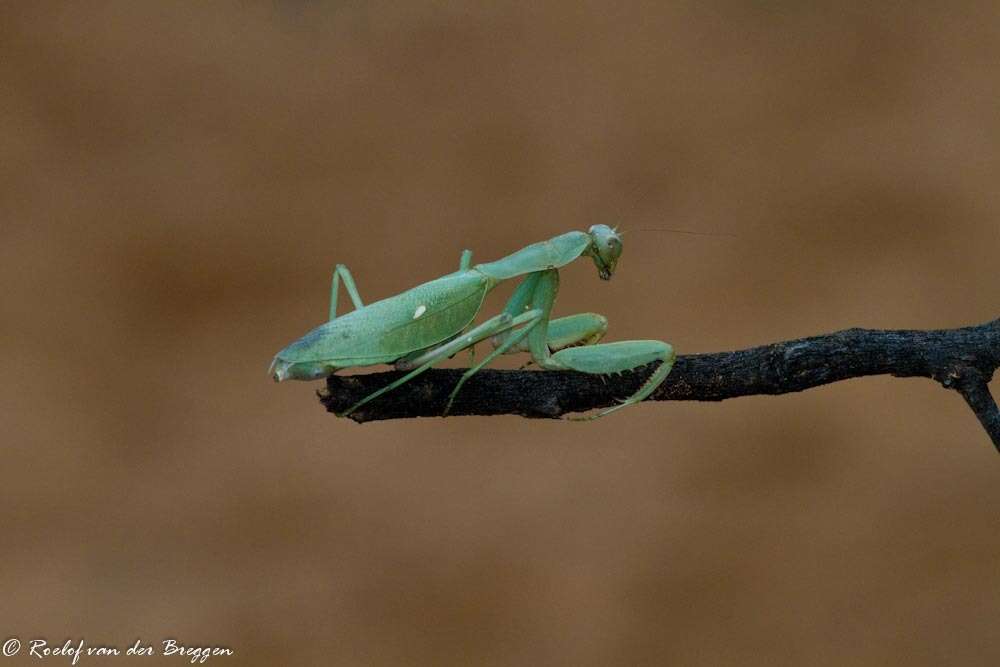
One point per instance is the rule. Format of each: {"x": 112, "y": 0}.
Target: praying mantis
{"x": 431, "y": 322}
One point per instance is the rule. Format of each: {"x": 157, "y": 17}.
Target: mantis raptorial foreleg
{"x": 423, "y": 362}
{"x": 570, "y": 331}
{"x": 580, "y": 329}
{"x": 616, "y": 357}
{"x": 519, "y": 302}
{"x": 342, "y": 272}
{"x": 599, "y": 359}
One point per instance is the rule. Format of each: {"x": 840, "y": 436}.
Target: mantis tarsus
{"x": 433, "y": 321}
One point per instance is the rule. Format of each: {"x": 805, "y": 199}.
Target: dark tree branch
{"x": 979, "y": 398}
{"x": 960, "y": 359}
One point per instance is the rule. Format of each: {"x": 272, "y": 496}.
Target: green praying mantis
{"x": 431, "y": 322}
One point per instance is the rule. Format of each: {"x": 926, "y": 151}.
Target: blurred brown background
{"x": 178, "y": 181}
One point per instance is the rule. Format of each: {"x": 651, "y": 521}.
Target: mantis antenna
{"x": 686, "y": 231}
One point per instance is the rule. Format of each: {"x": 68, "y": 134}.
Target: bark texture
{"x": 960, "y": 359}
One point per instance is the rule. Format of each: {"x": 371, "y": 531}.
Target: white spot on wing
{"x": 421, "y": 309}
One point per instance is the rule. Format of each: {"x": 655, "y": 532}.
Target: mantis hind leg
{"x": 530, "y": 318}
{"x": 423, "y": 362}
{"x": 615, "y": 358}
{"x": 343, "y": 273}
{"x": 465, "y": 261}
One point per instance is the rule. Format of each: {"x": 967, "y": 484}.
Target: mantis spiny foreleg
{"x": 616, "y": 357}
{"x": 598, "y": 359}
{"x": 563, "y": 332}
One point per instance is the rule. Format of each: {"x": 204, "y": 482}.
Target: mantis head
{"x": 605, "y": 249}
